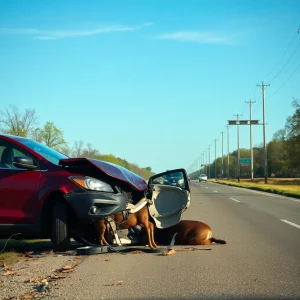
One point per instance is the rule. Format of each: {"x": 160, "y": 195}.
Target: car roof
{"x": 11, "y": 136}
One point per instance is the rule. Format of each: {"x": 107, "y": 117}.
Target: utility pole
{"x": 238, "y": 145}
{"x": 222, "y": 171}
{"x": 251, "y": 148}
{"x": 209, "y": 161}
{"x": 199, "y": 164}
{"x": 215, "y": 159}
{"x": 227, "y": 152}
{"x": 262, "y": 85}
{"x": 203, "y": 162}
{"x": 206, "y": 172}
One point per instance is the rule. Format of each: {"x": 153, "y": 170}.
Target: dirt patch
{"x": 36, "y": 272}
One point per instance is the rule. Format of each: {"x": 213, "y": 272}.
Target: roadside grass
{"x": 283, "y": 186}
{"x": 12, "y": 250}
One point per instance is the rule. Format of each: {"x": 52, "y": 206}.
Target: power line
{"x": 282, "y": 54}
{"x": 284, "y": 82}
{"x": 293, "y": 55}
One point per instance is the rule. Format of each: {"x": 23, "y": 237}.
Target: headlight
{"x": 93, "y": 184}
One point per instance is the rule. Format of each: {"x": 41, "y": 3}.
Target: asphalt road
{"x": 261, "y": 259}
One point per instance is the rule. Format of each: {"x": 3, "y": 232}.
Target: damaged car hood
{"x": 110, "y": 169}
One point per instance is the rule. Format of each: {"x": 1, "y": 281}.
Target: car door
{"x": 170, "y": 195}
{"x": 19, "y": 188}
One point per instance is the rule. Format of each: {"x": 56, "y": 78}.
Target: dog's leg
{"x": 101, "y": 227}
{"x": 217, "y": 241}
{"x": 143, "y": 220}
{"x": 199, "y": 236}
{"x": 197, "y": 240}
{"x": 152, "y": 234}
{"x": 147, "y": 227}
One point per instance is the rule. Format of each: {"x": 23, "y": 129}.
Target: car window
{"x": 48, "y": 153}
{"x": 8, "y": 152}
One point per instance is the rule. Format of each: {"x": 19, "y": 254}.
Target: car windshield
{"x": 174, "y": 175}
{"x": 202, "y": 175}
{"x": 48, "y": 153}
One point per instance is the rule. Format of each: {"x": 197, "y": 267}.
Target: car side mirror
{"x": 176, "y": 178}
{"x": 24, "y": 162}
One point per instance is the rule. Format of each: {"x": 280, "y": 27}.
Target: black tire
{"x": 60, "y": 237}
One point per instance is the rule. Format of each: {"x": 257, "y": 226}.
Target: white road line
{"x": 290, "y": 223}
{"x": 235, "y": 200}
{"x": 215, "y": 191}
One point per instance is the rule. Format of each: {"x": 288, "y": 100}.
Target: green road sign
{"x": 245, "y": 161}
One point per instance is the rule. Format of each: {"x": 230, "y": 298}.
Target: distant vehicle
{"x": 202, "y": 177}
{"x": 175, "y": 179}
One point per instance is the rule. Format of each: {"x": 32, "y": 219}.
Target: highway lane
{"x": 284, "y": 208}
{"x": 277, "y": 216}
{"x": 260, "y": 261}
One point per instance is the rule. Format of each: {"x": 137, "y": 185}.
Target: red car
{"x": 45, "y": 194}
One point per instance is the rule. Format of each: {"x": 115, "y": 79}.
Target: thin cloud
{"x": 201, "y": 37}
{"x": 62, "y": 34}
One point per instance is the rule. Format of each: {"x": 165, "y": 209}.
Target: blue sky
{"x": 153, "y": 82}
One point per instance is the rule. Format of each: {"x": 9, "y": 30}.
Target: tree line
{"x": 24, "y": 124}
{"x": 283, "y": 155}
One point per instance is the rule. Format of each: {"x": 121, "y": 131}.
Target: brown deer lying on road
{"x": 188, "y": 233}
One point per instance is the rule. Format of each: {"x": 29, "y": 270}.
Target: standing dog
{"x": 188, "y": 233}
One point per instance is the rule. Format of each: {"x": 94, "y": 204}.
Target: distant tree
{"x": 90, "y": 152}
{"x": 258, "y": 153}
{"x": 37, "y": 135}
{"x": 78, "y": 149}
{"x": 52, "y": 136}
{"x": 110, "y": 158}
{"x": 279, "y": 135}
{"x": 12, "y": 121}
{"x": 66, "y": 150}
{"x": 292, "y": 129}
{"x": 292, "y": 126}
{"x": 277, "y": 158}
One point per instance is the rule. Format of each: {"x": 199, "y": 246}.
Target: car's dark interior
{"x": 7, "y": 158}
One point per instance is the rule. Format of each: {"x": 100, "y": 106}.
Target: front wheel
{"x": 60, "y": 237}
